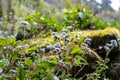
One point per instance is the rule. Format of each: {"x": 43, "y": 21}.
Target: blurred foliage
{"x": 51, "y": 45}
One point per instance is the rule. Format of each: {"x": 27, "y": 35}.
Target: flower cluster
{"x": 50, "y": 49}
{"x": 25, "y": 23}
{"x": 88, "y": 41}
{"x": 86, "y": 44}
{"x": 55, "y": 35}
{"x": 64, "y": 36}
{"x": 109, "y": 46}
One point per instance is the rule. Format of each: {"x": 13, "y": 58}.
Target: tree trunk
{"x": 1, "y": 9}
{"x": 10, "y": 12}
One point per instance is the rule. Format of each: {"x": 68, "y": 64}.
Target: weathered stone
{"x": 101, "y": 37}
{"x": 99, "y": 43}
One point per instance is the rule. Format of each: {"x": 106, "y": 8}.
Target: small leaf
{"x": 81, "y": 15}
{"x": 82, "y": 59}
{"x": 15, "y": 56}
{"x": 77, "y": 62}
{"x": 41, "y": 70}
{"x": 76, "y": 49}
{"x": 28, "y": 62}
{"x": 1, "y": 64}
{"x": 21, "y": 74}
{"x": 4, "y": 62}
{"x": 47, "y": 64}
{"x": 11, "y": 40}
{"x": 31, "y": 49}
{"x": 3, "y": 42}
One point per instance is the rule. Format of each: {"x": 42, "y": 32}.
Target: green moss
{"x": 101, "y": 33}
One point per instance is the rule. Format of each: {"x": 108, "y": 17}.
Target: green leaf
{"x": 1, "y": 63}
{"x": 77, "y": 62}
{"x": 41, "y": 70}
{"x": 11, "y": 40}
{"x": 28, "y": 62}
{"x": 31, "y": 49}
{"x": 4, "y": 62}
{"x": 47, "y": 64}
{"x": 15, "y": 56}
{"x": 3, "y": 41}
{"x": 21, "y": 74}
{"x": 76, "y": 49}
{"x": 82, "y": 59}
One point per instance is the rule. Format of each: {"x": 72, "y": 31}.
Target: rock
{"x": 102, "y": 37}
{"x": 97, "y": 41}
{"x": 101, "y": 43}
{"x": 106, "y": 42}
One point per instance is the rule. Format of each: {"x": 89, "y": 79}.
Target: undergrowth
{"x": 52, "y": 49}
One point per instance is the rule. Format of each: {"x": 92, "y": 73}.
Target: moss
{"x": 99, "y": 38}
{"x": 101, "y": 33}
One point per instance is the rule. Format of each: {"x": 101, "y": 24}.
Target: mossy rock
{"x": 101, "y": 37}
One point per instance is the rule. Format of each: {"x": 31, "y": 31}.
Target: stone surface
{"x": 100, "y": 39}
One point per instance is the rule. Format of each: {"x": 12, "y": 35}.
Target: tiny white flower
{"x": 114, "y": 42}
{"x": 12, "y": 36}
{"x": 56, "y": 37}
{"x": 84, "y": 44}
{"x": 63, "y": 33}
{"x": 70, "y": 28}
{"x": 100, "y": 47}
{"x": 118, "y": 40}
{"x": 58, "y": 50}
{"x": 25, "y": 45}
{"x": 109, "y": 45}
{"x": 57, "y": 45}
{"x": 42, "y": 50}
{"x": 57, "y": 57}
{"x": 81, "y": 15}
{"x": 50, "y": 47}
{"x": 33, "y": 54}
{"x": 54, "y": 33}
{"x": 63, "y": 37}
{"x": 24, "y": 23}
{"x": 12, "y": 71}
{"x": 107, "y": 48}
{"x": 5, "y": 48}
{"x": 88, "y": 40}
